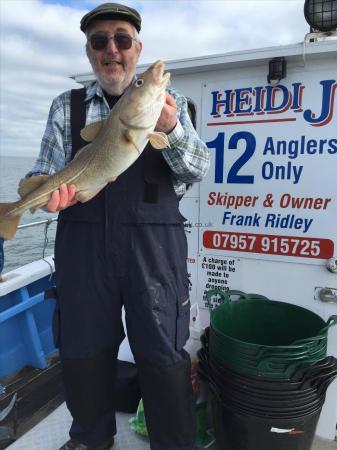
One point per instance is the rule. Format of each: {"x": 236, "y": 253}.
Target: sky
{"x": 41, "y": 45}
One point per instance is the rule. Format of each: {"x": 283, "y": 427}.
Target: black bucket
{"x": 254, "y": 413}
{"x": 236, "y": 430}
{"x": 307, "y": 382}
{"x": 279, "y": 411}
{"x": 304, "y": 380}
{"x": 306, "y": 391}
{"x": 257, "y": 336}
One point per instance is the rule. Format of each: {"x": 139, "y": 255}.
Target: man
{"x": 126, "y": 246}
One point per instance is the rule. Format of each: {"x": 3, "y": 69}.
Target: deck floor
{"x": 52, "y": 433}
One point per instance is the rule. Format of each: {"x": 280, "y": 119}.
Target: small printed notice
{"x": 217, "y": 273}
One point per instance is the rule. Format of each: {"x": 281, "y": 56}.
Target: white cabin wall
{"x": 285, "y": 281}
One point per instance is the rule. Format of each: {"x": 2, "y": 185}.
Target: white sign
{"x": 271, "y": 190}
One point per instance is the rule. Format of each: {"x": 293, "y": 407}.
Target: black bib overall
{"x": 126, "y": 246}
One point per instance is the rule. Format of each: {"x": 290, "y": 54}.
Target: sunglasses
{"x": 100, "y": 41}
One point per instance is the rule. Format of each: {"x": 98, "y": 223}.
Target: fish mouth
{"x": 159, "y": 77}
{"x": 166, "y": 79}
{"x": 159, "y": 80}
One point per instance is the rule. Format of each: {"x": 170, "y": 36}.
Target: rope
{"x": 45, "y": 244}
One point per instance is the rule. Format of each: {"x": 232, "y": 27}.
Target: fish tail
{"x": 9, "y": 219}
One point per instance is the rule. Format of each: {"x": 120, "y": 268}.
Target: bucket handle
{"x": 210, "y": 294}
{"x": 322, "y": 388}
{"x": 329, "y": 323}
{"x": 296, "y": 346}
{"x": 303, "y": 373}
{"x": 296, "y": 352}
{"x": 325, "y": 376}
{"x": 243, "y": 295}
{"x": 226, "y": 296}
{"x": 274, "y": 365}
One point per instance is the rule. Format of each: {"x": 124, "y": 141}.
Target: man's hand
{"x": 168, "y": 117}
{"x": 62, "y": 198}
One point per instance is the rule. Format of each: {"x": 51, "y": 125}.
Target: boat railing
{"x": 46, "y": 223}
{"x": 39, "y": 222}
{"x": 25, "y": 312}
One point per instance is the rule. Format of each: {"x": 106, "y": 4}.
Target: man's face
{"x": 114, "y": 67}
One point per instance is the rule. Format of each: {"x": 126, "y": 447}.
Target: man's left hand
{"x": 168, "y": 117}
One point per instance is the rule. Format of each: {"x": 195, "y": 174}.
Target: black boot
{"x": 169, "y": 404}
{"x": 75, "y": 445}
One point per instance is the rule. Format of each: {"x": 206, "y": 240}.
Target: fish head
{"x": 145, "y": 98}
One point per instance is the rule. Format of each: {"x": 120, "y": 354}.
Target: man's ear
{"x": 140, "y": 47}
{"x": 87, "y": 49}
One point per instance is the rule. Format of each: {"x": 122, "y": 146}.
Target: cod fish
{"x": 113, "y": 145}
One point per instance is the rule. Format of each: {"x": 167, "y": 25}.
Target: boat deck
{"x": 52, "y": 433}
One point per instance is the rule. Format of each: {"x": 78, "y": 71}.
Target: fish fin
{"x": 86, "y": 195}
{"x": 28, "y": 185}
{"x": 158, "y": 140}
{"x": 34, "y": 208}
{"x": 8, "y": 221}
{"x": 129, "y": 137}
{"x": 91, "y": 131}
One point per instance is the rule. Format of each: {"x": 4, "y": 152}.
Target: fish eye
{"x": 139, "y": 82}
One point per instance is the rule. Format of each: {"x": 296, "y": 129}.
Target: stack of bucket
{"x": 266, "y": 365}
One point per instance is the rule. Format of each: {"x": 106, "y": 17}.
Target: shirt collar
{"x": 93, "y": 89}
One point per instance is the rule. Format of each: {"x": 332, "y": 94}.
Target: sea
{"x": 29, "y": 244}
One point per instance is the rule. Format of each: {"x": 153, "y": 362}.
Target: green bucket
{"x": 258, "y": 336}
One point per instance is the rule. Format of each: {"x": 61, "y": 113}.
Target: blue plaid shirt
{"x": 188, "y": 156}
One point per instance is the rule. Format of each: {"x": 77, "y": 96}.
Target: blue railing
{"x": 25, "y": 315}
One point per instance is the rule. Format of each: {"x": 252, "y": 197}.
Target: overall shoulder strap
{"x": 92, "y": 211}
{"x": 77, "y": 119}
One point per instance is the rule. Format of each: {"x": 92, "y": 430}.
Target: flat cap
{"x": 113, "y": 11}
